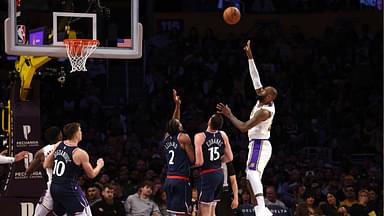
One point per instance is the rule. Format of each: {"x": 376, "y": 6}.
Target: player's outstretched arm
{"x": 176, "y": 99}
{"x": 199, "y": 140}
{"x": 4, "y": 152}
{"x": 253, "y": 70}
{"x": 37, "y": 160}
{"x": 18, "y": 157}
{"x": 81, "y": 158}
{"x": 259, "y": 116}
{"x": 6, "y": 159}
{"x": 21, "y": 155}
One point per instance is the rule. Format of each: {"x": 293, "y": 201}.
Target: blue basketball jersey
{"x": 64, "y": 169}
{"x": 178, "y": 163}
{"x": 213, "y": 149}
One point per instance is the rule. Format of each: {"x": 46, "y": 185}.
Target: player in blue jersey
{"x": 212, "y": 148}
{"x": 179, "y": 156}
{"x": 258, "y": 127}
{"x": 68, "y": 162}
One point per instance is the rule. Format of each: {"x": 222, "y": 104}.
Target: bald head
{"x": 271, "y": 91}
{"x": 269, "y": 94}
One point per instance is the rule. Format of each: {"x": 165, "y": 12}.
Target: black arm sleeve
{"x": 230, "y": 169}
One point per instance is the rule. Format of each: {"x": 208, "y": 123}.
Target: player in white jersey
{"x": 52, "y": 136}
{"x": 258, "y": 128}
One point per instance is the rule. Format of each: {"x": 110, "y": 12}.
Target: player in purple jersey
{"x": 258, "y": 128}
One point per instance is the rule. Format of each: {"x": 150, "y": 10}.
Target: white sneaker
{"x": 258, "y": 211}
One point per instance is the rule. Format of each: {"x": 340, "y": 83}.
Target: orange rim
{"x": 81, "y": 41}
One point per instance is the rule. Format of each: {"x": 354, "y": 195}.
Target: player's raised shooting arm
{"x": 228, "y": 155}
{"x": 176, "y": 99}
{"x": 259, "y": 116}
{"x": 186, "y": 142}
{"x": 81, "y": 158}
{"x": 253, "y": 70}
{"x": 199, "y": 140}
{"x": 36, "y": 162}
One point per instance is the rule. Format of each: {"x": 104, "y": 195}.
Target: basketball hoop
{"x": 78, "y": 51}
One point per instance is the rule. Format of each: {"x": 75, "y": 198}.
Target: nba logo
{"x": 21, "y": 38}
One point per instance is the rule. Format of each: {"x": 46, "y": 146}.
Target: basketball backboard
{"x": 38, "y": 27}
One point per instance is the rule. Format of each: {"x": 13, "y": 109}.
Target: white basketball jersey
{"x": 263, "y": 129}
{"x": 47, "y": 150}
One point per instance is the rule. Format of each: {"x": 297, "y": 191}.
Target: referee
{"x": 227, "y": 205}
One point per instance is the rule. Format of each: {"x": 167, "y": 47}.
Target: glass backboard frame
{"x": 56, "y": 15}
{"x": 12, "y": 48}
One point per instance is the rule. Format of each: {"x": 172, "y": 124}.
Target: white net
{"x": 78, "y": 51}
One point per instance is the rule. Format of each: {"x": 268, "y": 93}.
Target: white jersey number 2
{"x": 58, "y": 168}
{"x": 172, "y": 153}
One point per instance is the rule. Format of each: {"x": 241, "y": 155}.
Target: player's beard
{"x": 262, "y": 99}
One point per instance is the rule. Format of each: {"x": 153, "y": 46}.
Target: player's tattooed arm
{"x": 259, "y": 116}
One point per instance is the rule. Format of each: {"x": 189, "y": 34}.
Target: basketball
{"x": 231, "y": 15}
